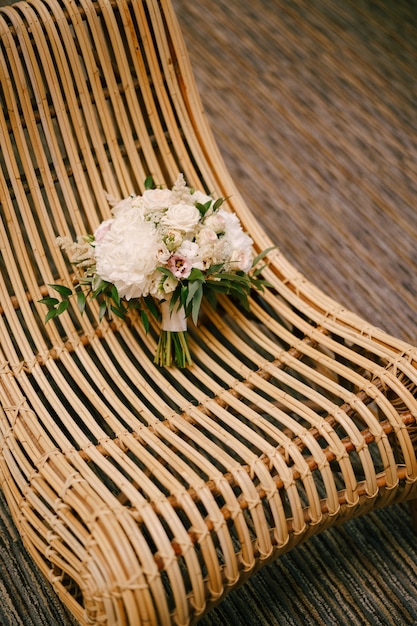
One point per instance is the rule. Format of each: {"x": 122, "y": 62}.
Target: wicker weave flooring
{"x": 313, "y": 105}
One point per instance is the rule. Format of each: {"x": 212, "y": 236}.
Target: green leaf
{"x": 183, "y": 296}
{"x": 66, "y": 292}
{"x": 115, "y": 296}
{"x": 203, "y": 208}
{"x": 259, "y": 270}
{"x": 233, "y": 277}
{"x": 119, "y": 311}
{"x": 62, "y": 306}
{"x": 262, "y": 255}
{"x": 102, "y": 310}
{"x": 194, "y": 287}
{"x": 218, "y": 286}
{"x": 196, "y": 274}
{"x": 213, "y": 269}
{"x": 235, "y": 287}
{"x": 153, "y": 308}
{"x": 134, "y": 304}
{"x": 211, "y": 298}
{"x": 149, "y": 182}
{"x": 49, "y": 301}
{"x": 51, "y": 314}
{"x": 260, "y": 284}
{"x": 196, "y": 303}
{"x": 165, "y": 271}
{"x": 81, "y": 301}
{"x": 100, "y": 288}
{"x": 145, "y": 321}
{"x": 217, "y": 204}
{"x": 175, "y": 297}
{"x": 227, "y": 285}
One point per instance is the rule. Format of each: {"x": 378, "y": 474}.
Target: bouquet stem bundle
{"x": 173, "y": 349}
{"x": 173, "y": 339}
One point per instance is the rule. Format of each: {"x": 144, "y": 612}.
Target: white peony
{"x": 233, "y": 230}
{"x": 207, "y": 255}
{"x": 237, "y": 242}
{"x": 220, "y": 252}
{"x": 102, "y": 229}
{"x": 120, "y": 206}
{"x": 200, "y": 197}
{"x": 127, "y": 255}
{"x": 182, "y": 216}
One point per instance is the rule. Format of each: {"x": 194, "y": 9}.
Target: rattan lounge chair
{"x": 146, "y": 494}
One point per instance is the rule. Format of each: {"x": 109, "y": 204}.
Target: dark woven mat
{"x": 313, "y": 103}
{"x": 362, "y": 574}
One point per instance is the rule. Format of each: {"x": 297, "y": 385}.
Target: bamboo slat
{"x": 146, "y": 495}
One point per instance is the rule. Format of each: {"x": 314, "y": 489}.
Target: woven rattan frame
{"x": 145, "y": 495}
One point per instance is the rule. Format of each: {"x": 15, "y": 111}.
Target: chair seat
{"x": 145, "y": 494}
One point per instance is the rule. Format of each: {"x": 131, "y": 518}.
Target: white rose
{"x": 206, "y": 237}
{"x": 154, "y": 199}
{"x": 156, "y": 285}
{"x": 181, "y": 217}
{"x": 216, "y": 222}
{"x": 241, "y": 260}
{"x": 169, "y": 285}
{"x": 162, "y": 253}
{"x": 190, "y": 251}
{"x": 173, "y": 238}
{"x": 127, "y": 254}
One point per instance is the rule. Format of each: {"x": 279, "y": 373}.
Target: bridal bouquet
{"x": 161, "y": 253}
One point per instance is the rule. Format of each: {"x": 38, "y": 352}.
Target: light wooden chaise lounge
{"x": 145, "y": 495}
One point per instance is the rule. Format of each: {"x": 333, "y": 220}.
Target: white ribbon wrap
{"x": 174, "y": 321}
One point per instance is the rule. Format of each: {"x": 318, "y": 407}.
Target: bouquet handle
{"x": 173, "y": 341}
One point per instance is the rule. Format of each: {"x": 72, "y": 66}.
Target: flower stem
{"x": 173, "y": 349}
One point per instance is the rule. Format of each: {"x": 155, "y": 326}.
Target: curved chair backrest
{"x": 146, "y": 494}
